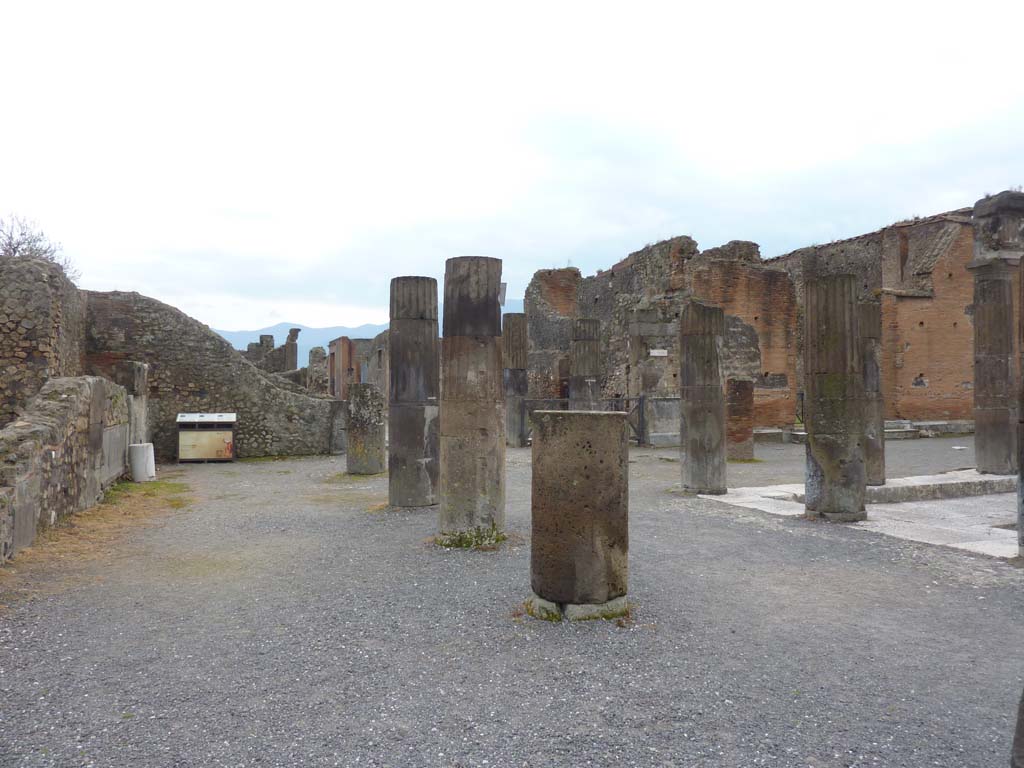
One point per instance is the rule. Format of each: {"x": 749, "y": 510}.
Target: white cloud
{"x": 292, "y": 158}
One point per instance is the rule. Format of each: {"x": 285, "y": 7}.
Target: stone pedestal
{"x": 874, "y": 406}
{"x": 739, "y": 419}
{"x": 585, "y": 365}
{"x": 833, "y": 399}
{"x": 365, "y": 454}
{"x": 995, "y": 400}
{"x": 413, "y": 395}
{"x": 515, "y": 347}
{"x": 472, "y": 476}
{"x": 579, "y": 557}
{"x": 702, "y": 401}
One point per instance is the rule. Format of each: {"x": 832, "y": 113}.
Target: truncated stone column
{"x": 414, "y": 405}
{"x": 702, "y": 401}
{"x": 998, "y": 246}
{"x": 472, "y": 479}
{"x": 739, "y": 415}
{"x": 585, "y": 361}
{"x": 365, "y": 455}
{"x": 515, "y": 347}
{"x": 579, "y": 556}
{"x": 833, "y": 399}
{"x": 874, "y": 406}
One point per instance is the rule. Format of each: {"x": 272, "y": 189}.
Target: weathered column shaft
{"x": 515, "y": 347}
{"x": 413, "y": 394}
{"x": 472, "y": 469}
{"x": 739, "y": 410}
{"x": 580, "y": 508}
{"x": 874, "y": 406}
{"x": 585, "y": 365}
{"x": 365, "y": 454}
{"x": 834, "y": 399}
{"x": 995, "y": 406}
{"x": 702, "y": 400}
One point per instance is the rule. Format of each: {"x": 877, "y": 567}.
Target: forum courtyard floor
{"x": 287, "y": 617}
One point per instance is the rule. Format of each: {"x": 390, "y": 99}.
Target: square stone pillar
{"x": 874, "y": 406}
{"x": 585, "y": 365}
{"x": 739, "y": 419}
{"x": 702, "y": 400}
{"x": 365, "y": 454}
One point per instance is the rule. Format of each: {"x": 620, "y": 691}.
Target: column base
{"x": 545, "y": 610}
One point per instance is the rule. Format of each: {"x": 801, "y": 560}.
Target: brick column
{"x": 515, "y": 347}
{"x": 739, "y": 419}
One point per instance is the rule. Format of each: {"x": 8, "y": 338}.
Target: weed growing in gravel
{"x": 746, "y": 461}
{"x": 475, "y": 538}
{"x": 541, "y": 612}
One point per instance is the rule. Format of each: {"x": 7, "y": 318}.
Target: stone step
{"x": 800, "y": 436}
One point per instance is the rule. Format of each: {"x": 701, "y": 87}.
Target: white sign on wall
{"x": 659, "y": 353}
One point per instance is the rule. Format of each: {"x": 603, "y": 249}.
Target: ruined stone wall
{"x": 761, "y": 329}
{"x": 917, "y": 269}
{"x": 194, "y": 369}
{"x": 550, "y": 304}
{"x": 374, "y": 361}
{"x": 638, "y": 302}
{"x": 66, "y": 447}
{"x": 42, "y": 330}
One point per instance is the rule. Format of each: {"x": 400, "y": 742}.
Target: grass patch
{"x": 746, "y": 461}
{"x": 486, "y": 539}
{"x": 379, "y": 507}
{"x": 62, "y": 554}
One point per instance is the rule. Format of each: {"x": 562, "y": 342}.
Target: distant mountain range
{"x": 320, "y": 337}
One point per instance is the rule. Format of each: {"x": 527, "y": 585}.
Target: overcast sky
{"x": 254, "y": 163}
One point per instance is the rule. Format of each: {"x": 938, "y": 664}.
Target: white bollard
{"x": 141, "y": 462}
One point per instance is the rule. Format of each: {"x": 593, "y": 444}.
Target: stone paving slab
{"x": 967, "y": 523}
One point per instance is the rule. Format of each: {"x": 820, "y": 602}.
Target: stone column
{"x": 739, "y": 419}
{"x": 874, "y": 406}
{"x": 998, "y": 247}
{"x": 291, "y": 350}
{"x": 585, "y": 362}
{"x": 414, "y": 354}
{"x": 365, "y": 454}
{"x": 579, "y": 550}
{"x": 515, "y": 347}
{"x": 472, "y": 476}
{"x": 702, "y": 401}
{"x": 833, "y": 399}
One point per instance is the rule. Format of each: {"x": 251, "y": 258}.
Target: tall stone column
{"x": 291, "y": 349}
{"x": 365, "y": 454}
{"x": 739, "y": 419}
{"x": 998, "y": 246}
{"x": 472, "y": 479}
{"x": 585, "y": 361}
{"x": 870, "y": 324}
{"x": 515, "y": 346}
{"x": 579, "y": 547}
{"x": 833, "y": 399}
{"x": 702, "y": 401}
{"x": 414, "y": 392}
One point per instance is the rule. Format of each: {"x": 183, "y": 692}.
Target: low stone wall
{"x": 69, "y": 444}
{"x": 192, "y": 369}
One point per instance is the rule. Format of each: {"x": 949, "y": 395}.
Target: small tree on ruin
{"x": 22, "y": 239}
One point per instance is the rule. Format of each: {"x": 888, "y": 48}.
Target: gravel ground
{"x": 287, "y": 621}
